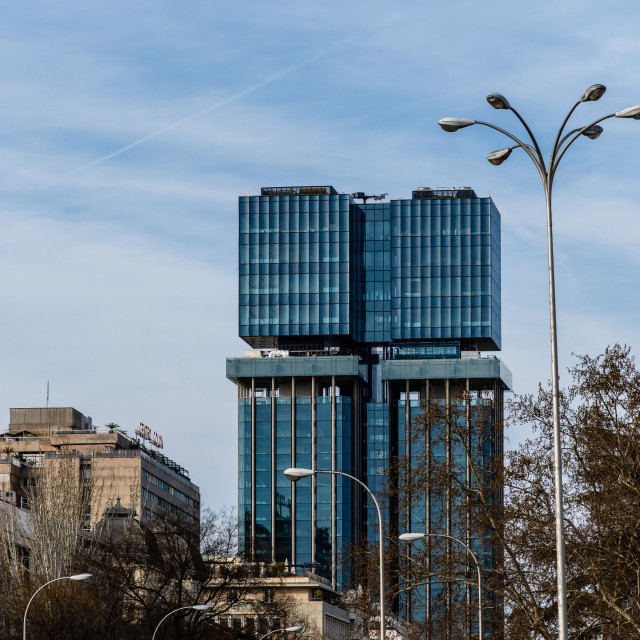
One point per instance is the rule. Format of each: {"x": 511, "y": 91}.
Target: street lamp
{"x": 547, "y": 175}
{"x": 295, "y": 629}
{"x": 409, "y": 538}
{"x": 195, "y": 607}
{"x": 80, "y": 577}
{"x": 295, "y": 474}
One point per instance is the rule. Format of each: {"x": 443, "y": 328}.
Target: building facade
{"x": 357, "y": 314}
{"x": 119, "y": 466}
{"x": 270, "y": 603}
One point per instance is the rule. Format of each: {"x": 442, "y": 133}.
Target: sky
{"x": 129, "y": 129}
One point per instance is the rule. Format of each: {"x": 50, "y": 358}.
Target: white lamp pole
{"x": 547, "y": 174}
{"x": 195, "y": 607}
{"x": 295, "y": 474}
{"x": 409, "y": 538}
{"x": 80, "y": 577}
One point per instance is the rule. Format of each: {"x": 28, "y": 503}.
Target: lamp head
{"x": 82, "y": 577}
{"x": 593, "y": 132}
{"x": 408, "y": 538}
{"x": 453, "y": 124}
{"x": 294, "y": 474}
{"x": 629, "y": 112}
{"x": 498, "y": 101}
{"x": 498, "y": 157}
{"x": 202, "y": 607}
{"x": 295, "y": 629}
{"x": 593, "y": 93}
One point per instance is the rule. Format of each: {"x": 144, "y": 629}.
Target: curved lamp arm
{"x": 533, "y": 139}
{"x": 294, "y": 474}
{"x": 196, "y": 607}
{"x": 380, "y": 545}
{"x": 409, "y": 538}
{"x": 556, "y": 161}
{"x": 80, "y": 577}
{"x": 295, "y": 629}
{"x": 558, "y": 142}
{"x": 537, "y": 160}
{"x": 24, "y": 619}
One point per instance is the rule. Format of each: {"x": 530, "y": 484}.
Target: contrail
{"x": 193, "y": 116}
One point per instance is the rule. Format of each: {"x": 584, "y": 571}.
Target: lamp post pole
{"x": 409, "y": 538}
{"x": 547, "y": 175}
{"x": 295, "y": 474}
{"x": 80, "y": 577}
{"x": 195, "y": 607}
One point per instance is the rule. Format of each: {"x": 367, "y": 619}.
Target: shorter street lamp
{"x": 294, "y": 474}
{"x": 409, "y": 538}
{"x": 80, "y": 577}
{"x": 195, "y": 607}
{"x": 295, "y": 629}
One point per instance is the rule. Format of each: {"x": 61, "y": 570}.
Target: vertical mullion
{"x": 334, "y": 485}
{"x": 253, "y": 468}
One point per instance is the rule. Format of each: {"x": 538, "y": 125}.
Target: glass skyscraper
{"x": 356, "y": 314}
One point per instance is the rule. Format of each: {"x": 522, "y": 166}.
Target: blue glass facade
{"x": 356, "y": 313}
{"x": 414, "y": 269}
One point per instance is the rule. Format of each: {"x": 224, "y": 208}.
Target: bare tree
{"x": 510, "y": 506}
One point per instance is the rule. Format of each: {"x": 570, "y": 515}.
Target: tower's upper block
{"x": 319, "y": 268}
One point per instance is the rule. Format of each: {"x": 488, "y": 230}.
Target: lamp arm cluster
{"x": 577, "y": 133}
{"x": 558, "y": 142}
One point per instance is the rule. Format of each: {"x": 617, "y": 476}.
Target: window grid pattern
{"x": 445, "y": 269}
{"x": 263, "y": 480}
{"x": 377, "y": 462}
{"x": 244, "y": 475}
{"x": 402, "y": 270}
{"x": 283, "y": 486}
{"x": 294, "y": 265}
{"x": 374, "y": 272}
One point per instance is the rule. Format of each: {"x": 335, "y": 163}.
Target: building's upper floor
{"x": 319, "y": 268}
{"x": 37, "y": 437}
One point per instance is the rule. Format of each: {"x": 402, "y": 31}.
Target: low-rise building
{"x": 271, "y": 602}
{"x": 118, "y": 465}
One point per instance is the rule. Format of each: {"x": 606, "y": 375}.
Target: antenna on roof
{"x": 47, "y": 394}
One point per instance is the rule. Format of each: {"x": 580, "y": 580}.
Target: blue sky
{"x": 119, "y": 268}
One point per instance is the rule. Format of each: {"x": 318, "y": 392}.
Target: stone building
{"x": 118, "y": 465}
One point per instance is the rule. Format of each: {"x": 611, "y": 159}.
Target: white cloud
{"x": 120, "y": 281}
